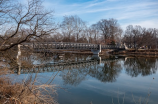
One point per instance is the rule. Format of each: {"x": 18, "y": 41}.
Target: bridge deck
{"x": 49, "y": 46}
{"x": 73, "y": 46}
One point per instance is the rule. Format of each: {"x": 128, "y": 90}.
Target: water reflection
{"x": 103, "y": 71}
{"x": 133, "y": 66}
{"x": 89, "y": 71}
{"x": 140, "y": 66}
{"x": 108, "y": 73}
{"x": 74, "y": 77}
{"x": 96, "y": 57}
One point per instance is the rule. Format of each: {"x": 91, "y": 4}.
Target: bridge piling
{"x": 97, "y": 50}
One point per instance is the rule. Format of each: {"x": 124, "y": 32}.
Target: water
{"x": 111, "y": 80}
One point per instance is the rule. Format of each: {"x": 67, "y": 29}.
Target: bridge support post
{"x": 96, "y": 51}
{"x": 19, "y": 59}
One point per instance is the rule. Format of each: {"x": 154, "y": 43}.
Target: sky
{"x": 127, "y": 12}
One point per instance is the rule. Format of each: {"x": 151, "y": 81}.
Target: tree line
{"x": 30, "y": 22}
{"x": 74, "y": 29}
{"x": 139, "y": 37}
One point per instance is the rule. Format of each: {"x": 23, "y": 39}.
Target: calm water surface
{"x": 107, "y": 80}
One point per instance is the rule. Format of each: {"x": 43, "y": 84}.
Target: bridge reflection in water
{"x": 133, "y": 65}
{"x": 59, "y": 66}
{"x": 77, "y": 67}
{"x": 74, "y": 72}
{"x": 87, "y": 73}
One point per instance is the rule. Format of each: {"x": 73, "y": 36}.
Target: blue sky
{"x": 135, "y": 12}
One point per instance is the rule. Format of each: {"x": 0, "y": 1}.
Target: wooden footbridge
{"x": 50, "y": 46}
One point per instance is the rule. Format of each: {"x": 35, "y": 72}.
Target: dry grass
{"x": 28, "y": 91}
{"x": 25, "y": 92}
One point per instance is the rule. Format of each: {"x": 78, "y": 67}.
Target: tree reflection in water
{"x": 75, "y": 76}
{"x": 140, "y": 66}
{"x": 106, "y": 73}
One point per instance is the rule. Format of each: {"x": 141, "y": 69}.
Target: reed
{"x": 25, "y": 92}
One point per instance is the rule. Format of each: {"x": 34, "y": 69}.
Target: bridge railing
{"x": 68, "y": 45}
{"x": 111, "y": 46}
{"x": 64, "y": 45}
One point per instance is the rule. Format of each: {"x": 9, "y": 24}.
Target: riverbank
{"x": 139, "y": 52}
{"x": 26, "y": 91}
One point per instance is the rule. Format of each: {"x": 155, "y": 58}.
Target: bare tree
{"x": 109, "y": 28}
{"x": 5, "y": 7}
{"x": 73, "y": 25}
{"x": 95, "y": 33}
{"x": 136, "y": 37}
{"x": 88, "y": 34}
{"x": 80, "y": 25}
{"x": 149, "y": 38}
{"x": 133, "y": 35}
{"x": 118, "y": 36}
{"x": 67, "y": 26}
{"x": 128, "y": 35}
{"x": 26, "y": 23}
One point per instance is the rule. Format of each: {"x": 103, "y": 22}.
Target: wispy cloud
{"x": 124, "y": 10}
{"x": 146, "y": 23}
{"x": 95, "y": 3}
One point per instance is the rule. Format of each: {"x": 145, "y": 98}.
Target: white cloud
{"x": 95, "y": 3}
{"x": 146, "y": 24}
{"x": 127, "y": 13}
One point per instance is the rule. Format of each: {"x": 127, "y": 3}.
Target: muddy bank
{"x": 151, "y": 52}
